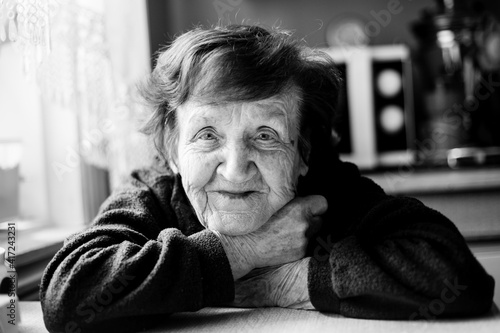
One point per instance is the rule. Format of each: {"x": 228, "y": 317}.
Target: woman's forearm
{"x": 400, "y": 261}
{"x": 108, "y": 277}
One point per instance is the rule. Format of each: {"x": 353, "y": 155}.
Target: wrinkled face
{"x": 239, "y": 162}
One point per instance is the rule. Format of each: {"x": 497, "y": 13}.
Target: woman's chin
{"x": 236, "y": 223}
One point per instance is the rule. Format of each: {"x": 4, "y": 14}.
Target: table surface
{"x": 284, "y": 320}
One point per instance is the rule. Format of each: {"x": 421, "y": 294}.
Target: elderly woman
{"x": 255, "y": 208}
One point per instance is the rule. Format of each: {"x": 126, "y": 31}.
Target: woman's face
{"x": 239, "y": 162}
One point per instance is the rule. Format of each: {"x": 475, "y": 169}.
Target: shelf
{"x": 437, "y": 181}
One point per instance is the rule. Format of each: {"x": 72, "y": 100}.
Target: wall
{"x": 308, "y": 18}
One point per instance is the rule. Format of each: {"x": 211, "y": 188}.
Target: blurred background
{"x": 420, "y": 111}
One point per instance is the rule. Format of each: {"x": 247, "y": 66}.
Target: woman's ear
{"x": 173, "y": 167}
{"x": 305, "y": 152}
{"x": 172, "y": 163}
{"x": 171, "y": 147}
{"x": 304, "y": 167}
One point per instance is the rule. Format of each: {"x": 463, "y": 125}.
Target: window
{"x": 23, "y": 185}
{"x": 66, "y": 135}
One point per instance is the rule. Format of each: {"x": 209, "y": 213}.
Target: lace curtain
{"x": 27, "y": 22}
{"x": 83, "y": 54}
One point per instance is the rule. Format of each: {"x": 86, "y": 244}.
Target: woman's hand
{"x": 284, "y": 286}
{"x": 280, "y": 240}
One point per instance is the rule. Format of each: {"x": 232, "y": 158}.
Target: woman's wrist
{"x": 238, "y": 260}
{"x": 295, "y": 292}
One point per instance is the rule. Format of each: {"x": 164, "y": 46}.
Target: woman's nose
{"x": 237, "y": 165}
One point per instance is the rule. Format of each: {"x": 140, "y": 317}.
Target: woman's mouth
{"x": 235, "y": 200}
{"x": 236, "y": 195}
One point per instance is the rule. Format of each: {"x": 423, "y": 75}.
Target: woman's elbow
{"x": 459, "y": 298}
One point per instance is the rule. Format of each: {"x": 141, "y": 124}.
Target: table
{"x": 285, "y": 320}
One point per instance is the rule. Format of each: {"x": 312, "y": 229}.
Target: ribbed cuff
{"x": 319, "y": 282}
{"x": 218, "y": 284}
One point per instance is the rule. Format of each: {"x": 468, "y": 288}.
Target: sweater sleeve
{"x": 398, "y": 260}
{"x": 131, "y": 268}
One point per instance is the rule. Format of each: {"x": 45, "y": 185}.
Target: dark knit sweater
{"x": 146, "y": 255}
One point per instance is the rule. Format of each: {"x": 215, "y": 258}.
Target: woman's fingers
{"x": 314, "y": 226}
{"x": 313, "y": 205}
{"x": 284, "y": 237}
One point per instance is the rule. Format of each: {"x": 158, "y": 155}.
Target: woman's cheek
{"x": 197, "y": 168}
{"x": 278, "y": 171}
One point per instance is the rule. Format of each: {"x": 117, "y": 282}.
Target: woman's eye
{"x": 264, "y": 136}
{"x": 207, "y": 136}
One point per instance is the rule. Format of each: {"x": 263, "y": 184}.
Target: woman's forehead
{"x": 281, "y": 108}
